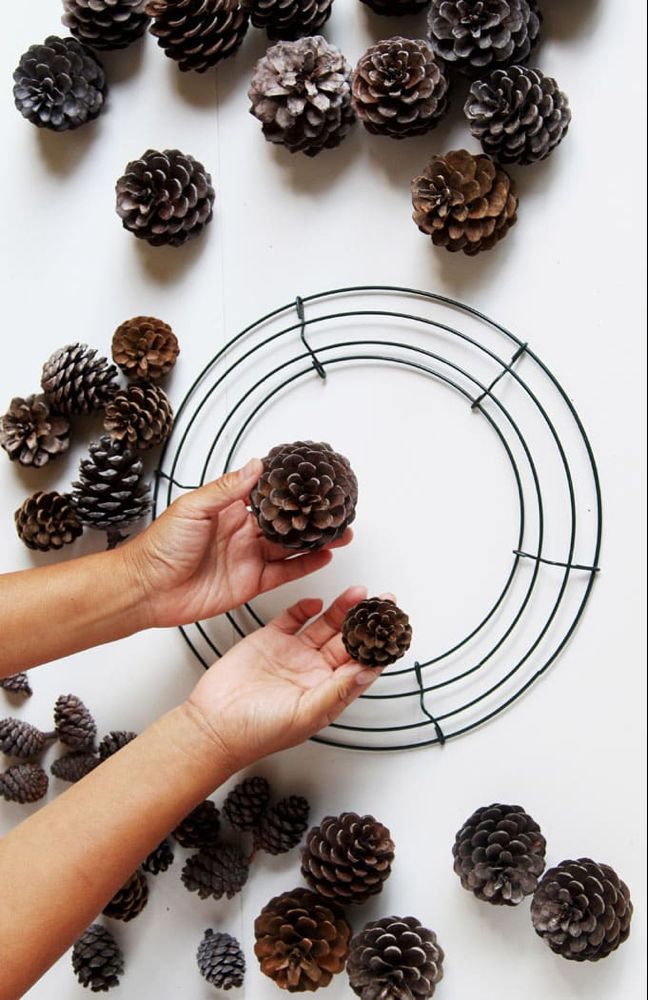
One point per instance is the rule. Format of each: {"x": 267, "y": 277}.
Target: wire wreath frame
{"x": 306, "y": 330}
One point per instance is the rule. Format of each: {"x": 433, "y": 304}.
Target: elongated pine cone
{"x": 24, "y": 783}
{"x": 283, "y": 826}
{"x": 17, "y": 684}
{"x": 47, "y": 521}
{"x": 32, "y": 433}
{"x": 20, "y": 739}
{"x": 145, "y": 348}
{"x": 221, "y": 961}
{"x": 160, "y": 858}
{"x": 59, "y": 85}
{"x": 200, "y": 828}
{"x": 288, "y": 19}
{"x": 474, "y": 35}
{"x": 301, "y": 94}
{"x": 499, "y": 854}
{"x": 216, "y": 871}
{"x": 582, "y": 910}
{"x": 97, "y": 959}
{"x": 395, "y": 958}
{"x": 110, "y": 493}
{"x": 105, "y": 24}
{"x": 395, "y": 8}
{"x": 246, "y": 803}
{"x": 306, "y": 497}
{"x": 114, "y": 741}
{"x": 73, "y": 723}
{"x": 375, "y": 632}
{"x": 140, "y": 415}
{"x": 131, "y": 899}
{"x": 76, "y": 381}
{"x": 74, "y": 766}
{"x": 348, "y": 858}
{"x": 198, "y": 34}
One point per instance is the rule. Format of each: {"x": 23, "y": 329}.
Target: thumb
{"x": 216, "y": 496}
{"x": 329, "y": 699}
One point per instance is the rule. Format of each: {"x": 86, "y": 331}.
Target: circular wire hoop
{"x": 556, "y": 537}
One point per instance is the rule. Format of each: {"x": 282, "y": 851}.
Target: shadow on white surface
{"x": 64, "y": 151}
{"x": 168, "y": 264}
{"x": 197, "y": 89}
{"x": 123, "y": 64}
{"x": 563, "y": 20}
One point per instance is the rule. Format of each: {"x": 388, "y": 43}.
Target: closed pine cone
{"x": 76, "y": 381}
{"x": 221, "y": 961}
{"x": 131, "y": 899}
{"x": 198, "y": 34}
{"x": 74, "y": 766}
{"x": 59, "y": 85}
{"x": 348, "y": 858}
{"x": 73, "y": 722}
{"x": 17, "y": 684}
{"x": 114, "y": 741}
{"x": 20, "y": 739}
{"x": 200, "y": 828}
{"x": 282, "y": 827}
{"x": 246, "y": 803}
{"x": 105, "y": 24}
{"x": 32, "y": 433}
{"x": 395, "y": 958}
{"x": 302, "y": 941}
{"x": 217, "y": 871}
{"x": 110, "y": 493}
{"x": 145, "y": 348}
{"x": 395, "y": 8}
{"x": 47, "y": 521}
{"x": 376, "y": 633}
{"x": 23, "y": 783}
{"x": 97, "y": 960}
{"x": 160, "y": 858}
{"x": 288, "y": 19}
{"x": 473, "y": 35}
{"x": 140, "y": 415}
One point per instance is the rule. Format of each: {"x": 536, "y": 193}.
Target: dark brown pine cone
{"x": 145, "y": 348}
{"x": 17, "y": 684}
{"x": 74, "y": 766}
{"x": 140, "y": 415}
{"x": 302, "y": 941}
{"x": 31, "y": 433}
{"x": 21, "y": 739}
{"x": 474, "y": 35}
{"x": 198, "y": 34}
{"x": 73, "y": 723}
{"x": 347, "y": 858}
{"x": 110, "y": 493}
{"x": 47, "y": 521}
{"x": 499, "y": 853}
{"x": 395, "y": 8}
{"x": 165, "y": 198}
{"x": 105, "y": 24}
{"x": 246, "y": 803}
{"x": 23, "y": 783}
{"x": 114, "y": 741}
{"x": 76, "y": 381}
{"x": 221, "y": 960}
{"x": 159, "y": 859}
{"x": 59, "y": 85}
{"x": 288, "y": 19}
{"x": 200, "y": 828}
{"x": 283, "y": 826}
{"x": 131, "y": 899}
{"x": 395, "y": 958}
{"x": 216, "y": 871}
{"x": 97, "y": 960}
{"x": 376, "y": 632}
{"x": 582, "y": 910}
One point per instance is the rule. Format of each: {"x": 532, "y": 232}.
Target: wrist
{"x": 130, "y": 567}
{"x": 195, "y": 739}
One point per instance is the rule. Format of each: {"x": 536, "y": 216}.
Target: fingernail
{"x": 366, "y": 677}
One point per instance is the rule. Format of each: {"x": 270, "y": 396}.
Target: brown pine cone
{"x": 464, "y": 202}
{"x": 17, "y": 684}
{"x": 347, "y": 858}
{"x": 198, "y": 34}
{"x": 288, "y": 19}
{"x": 76, "y": 381}
{"x": 246, "y": 803}
{"x": 32, "y": 433}
{"x": 23, "y": 783}
{"x": 375, "y": 632}
{"x": 283, "y": 826}
{"x": 302, "y": 941}
{"x": 395, "y": 958}
{"x": 131, "y": 899}
{"x": 97, "y": 959}
{"x": 105, "y": 24}
{"x": 200, "y": 828}
{"x": 217, "y": 871}
{"x": 145, "y": 348}
{"x": 47, "y": 521}
{"x": 471, "y": 35}
{"x": 159, "y": 859}
{"x": 395, "y": 8}
{"x": 114, "y": 741}
{"x": 74, "y": 766}
{"x": 140, "y": 415}
{"x": 59, "y": 85}
{"x": 73, "y": 723}
{"x": 21, "y": 739}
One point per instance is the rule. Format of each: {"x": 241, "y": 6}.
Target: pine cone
{"x": 288, "y": 19}
{"x": 23, "y": 783}
{"x": 302, "y": 941}
{"x": 376, "y": 632}
{"x": 145, "y": 348}
{"x": 246, "y": 803}
{"x": 97, "y": 960}
{"x": 74, "y": 766}
{"x": 105, "y": 24}
{"x": 395, "y": 958}
{"x": 47, "y": 521}
{"x": 76, "y": 381}
{"x": 306, "y": 497}
{"x": 111, "y": 493}
{"x": 472, "y": 35}
{"x": 301, "y": 94}
{"x": 217, "y": 871}
{"x": 17, "y": 684}
{"x": 114, "y": 741}
{"x": 221, "y": 961}
{"x": 200, "y": 828}
{"x": 131, "y": 899}
{"x": 283, "y": 826}
{"x": 464, "y": 202}
{"x": 198, "y": 34}
{"x": 31, "y": 433}
{"x": 59, "y": 85}
{"x": 347, "y": 858}
{"x": 165, "y": 198}
{"x": 395, "y": 8}
{"x": 140, "y": 415}
{"x": 21, "y": 739}
{"x": 73, "y": 723}
{"x": 518, "y": 114}
{"x": 159, "y": 859}
{"x": 582, "y": 910}
{"x": 499, "y": 853}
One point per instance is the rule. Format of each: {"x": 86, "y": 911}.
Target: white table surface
{"x": 568, "y": 279}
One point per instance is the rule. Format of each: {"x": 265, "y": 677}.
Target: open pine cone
{"x": 47, "y": 521}
{"x": 376, "y": 633}
{"x": 140, "y": 415}
{"x": 217, "y": 871}
{"x": 198, "y": 34}
{"x": 23, "y": 783}
{"x": 32, "y": 433}
{"x": 288, "y": 19}
{"x": 395, "y": 8}
{"x": 348, "y": 858}
{"x": 474, "y": 35}
{"x": 77, "y": 381}
{"x": 246, "y": 803}
{"x": 131, "y": 899}
{"x": 395, "y": 958}
{"x": 145, "y": 348}
{"x": 105, "y": 24}
{"x": 282, "y": 827}
{"x": 59, "y": 85}
{"x": 200, "y": 828}
{"x": 97, "y": 959}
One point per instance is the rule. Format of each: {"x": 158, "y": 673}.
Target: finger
{"x": 273, "y": 552}
{"x": 277, "y": 573}
{"x": 328, "y": 700}
{"x": 330, "y": 622}
{"x": 292, "y": 619}
{"x": 334, "y": 650}
{"x": 210, "y": 499}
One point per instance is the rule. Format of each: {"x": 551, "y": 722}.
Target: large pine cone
{"x": 395, "y": 8}
{"x": 23, "y": 783}
{"x": 111, "y": 493}
{"x": 105, "y": 24}
{"x": 165, "y": 198}
{"x": 114, "y": 741}
{"x": 395, "y": 958}
{"x": 198, "y": 34}
{"x": 17, "y": 684}
{"x": 216, "y": 871}
{"x": 160, "y": 858}
{"x": 464, "y": 202}
{"x": 301, "y": 94}
{"x": 145, "y": 348}
{"x": 73, "y": 722}
{"x": 20, "y": 739}
{"x": 47, "y": 521}
{"x": 288, "y": 19}
{"x": 499, "y": 853}
{"x": 283, "y": 826}
{"x": 131, "y": 899}
{"x": 140, "y": 415}
{"x": 97, "y": 960}
{"x": 473, "y": 35}
{"x": 246, "y": 803}
{"x": 76, "y": 381}
{"x": 347, "y": 858}
{"x": 32, "y": 433}
{"x": 302, "y": 941}
{"x": 582, "y": 910}
{"x": 376, "y": 632}
{"x": 200, "y": 828}
{"x": 59, "y": 85}
{"x": 221, "y": 960}
{"x": 74, "y": 766}
{"x": 518, "y": 114}
{"x": 306, "y": 497}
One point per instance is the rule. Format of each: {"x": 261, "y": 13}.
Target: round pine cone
{"x": 76, "y": 381}
{"x": 347, "y": 858}
{"x": 395, "y": 958}
{"x": 21, "y": 739}
{"x": 59, "y": 85}
{"x": 74, "y": 766}
{"x": 395, "y": 8}
{"x": 114, "y": 741}
{"x": 288, "y": 19}
{"x": 200, "y": 828}
{"x": 140, "y": 415}
{"x": 464, "y": 202}
{"x": 31, "y": 433}
{"x": 110, "y": 493}
{"x": 145, "y": 348}
{"x": 246, "y": 803}
{"x": 283, "y": 826}
{"x": 306, "y": 497}
{"x": 301, "y": 94}
{"x": 473, "y": 35}
{"x": 216, "y": 871}
{"x": 23, "y": 783}
{"x": 376, "y": 632}
{"x": 17, "y": 684}
{"x": 131, "y": 899}
{"x": 160, "y": 858}
{"x": 97, "y": 960}
{"x": 47, "y": 521}
{"x": 165, "y": 198}
{"x": 582, "y": 910}
{"x": 73, "y": 723}
{"x": 518, "y": 114}
{"x": 221, "y": 960}
{"x": 198, "y": 34}
{"x": 499, "y": 853}
{"x": 105, "y": 24}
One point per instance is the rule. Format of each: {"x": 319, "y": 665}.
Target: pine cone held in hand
{"x": 47, "y": 521}
{"x": 395, "y": 958}
{"x": 198, "y": 34}
{"x": 376, "y": 633}
{"x": 140, "y": 415}
{"x": 97, "y": 960}
{"x": 23, "y": 783}
{"x": 145, "y": 348}
{"x": 288, "y": 19}
{"x": 473, "y": 35}
{"x": 59, "y": 85}
{"x": 32, "y": 433}
{"x": 76, "y": 381}
{"x": 105, "y": 24}
{"x": 348, "y": 858}
{"x": 221, "y": 961}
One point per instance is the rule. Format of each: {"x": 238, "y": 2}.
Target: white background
{"x": 568, "y": 279}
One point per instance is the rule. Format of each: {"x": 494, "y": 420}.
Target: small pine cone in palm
{"x": 216, "y": 871}
{"x": 131, "y": 899}
{"x": 198, "y": 34}
{"x": 145, "y": 348}
{"x": 110, "y": 493}
{"x": 160, "y": 858}
{"x": 396, "y": 8}
{"x": 395, "y": 958}
{"x": 246, "y": 803}
{"x": 288, "y": 19}
{"x": 283, "y": 826}
{"x": 76, "y": 381}
{"x": 200, "y": 828}
{"x": 73, "y": 723}
{"x": 376, "y": 633}
{"x": 32, "y": 433}
{"x": 140, "y": 415}
{"x": 302, "y": 941}
{"x": 301, "y": 94}
{"x": 47, "y": 521}
{"x": 97, "y": 960}
{"x": 17, "y": 684}
{"x": 74, "y": 766}
{"x": 23, "y": 783}
{"x": 348, "y": 858}
{"x": 477, "y": 35}
{"x": 59, "y": 85}
{"x": 165, "y": 198}
{"x": 114, "y": 741}
{"x": 582, "y": 910}
{"x": 105, "y": 24}
{"x": 221, "y": 961}
{"x": 20, "y": 739}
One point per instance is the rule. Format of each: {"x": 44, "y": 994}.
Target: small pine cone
{"x": 221, "y": 961}
{"x": 73, "y": 723}
{"x": 59, "y": 85}
{"x": 216, "y": 871}
{"x": 395, "y": 8}
{"x": 110, "y": 493}
{"x": 306, "y": 496}
{"x": 74, "y": 766}
{"x": 518, "y": 114}
{"x": 301, "y": 94}
{"x": 283, "y": 826}
{"x": 474, "y": 35}
{"x": 582, "y": 910}
{"x": 24, "y": 783}
{"x": 395, "y": 958}
{"x": 131, "y": 899}
{"x": 145, "y": 348}
{"x": 140, "y": 415}
{"x": 246, "y": 803}
{"x": 159, "y": 859}
{"x": 165, "y": 198}
{"x": 376, "y": 632}
{"x": 105, "y": 24}
{"x": 31, "y": 433}
{"x": 17, "y": 684}
{"x": 47, "y": 521}
{"x": 198, "y": 34}
{"x": 200, "y": 828}
{"x": 97, "y": 960}
{"x": 21, "y": 739}
{"x": 288, "y": 19}
{"x": 464, "y": 202}
{"x": 347, "y": 858}
{"x": 76, "y": 381}
{"x": 302, "y": 941}
{"x": 114, "y": 741}
{"x": 499, "y": 853}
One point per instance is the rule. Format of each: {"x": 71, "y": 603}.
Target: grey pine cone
{"x": 17, "y": 684}
{"x": 74, "y": 766}
{"x": 47, "y": 521}
{"x": 376, "y": 633}
{"x": 110, "y": 493}
{"x": 97, "y": 960}
{"x": 105, "y": 24}
{"x": 288, "y": 19}
{"x": 77, "y": 381}
{"x": 474, "y": 35}
{"x": 198, "y": 34}
{"x": 23, "y": 783}
{"x": 140, "y": 415}
{"x": 200, "y": 828}
{"x": 131, "y": 899}
{"x": 20, "y": 739}
{"x": 114, "y": 741}
{"x": 246, "y": 803}
{"x": 216, "y": 871}
{"x": 59, "y": 85}
{"x": 395, "y": 958}
{"x": 221, "y": 961}
{"x": 348, "y": 858}
{"x": 73, "y": 723}
{"x": 160, "y": 858}
{"x": 32, "y": 433}
{"x": 282, "y": 827}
